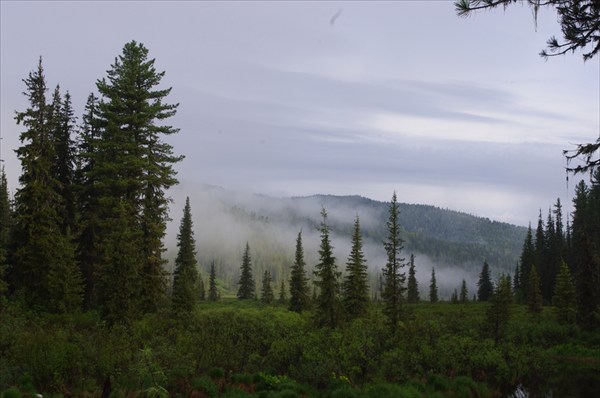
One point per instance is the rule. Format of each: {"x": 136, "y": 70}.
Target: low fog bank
{"x": 225, "y": 220}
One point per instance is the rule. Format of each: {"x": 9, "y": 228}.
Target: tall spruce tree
{"x": 485, "y": 288}
{"x": 412, "y": 294}
{"x": 282, "y": 292}
{"x": 134, "y": 165}
{"x": 246, "y": 283}
{"x": 299, "y": 299}
{"x": 213, "y": 293}
{"x": 355, "y": 288}
{"x": 565, "y": 296}
{"x": 185, "y": 276}
{"x": 433, "y": 290}
{"x": 327, "y": 306}
{"x": 266, "y": 291}
{"x": 534, "y": 296}
{"x": 393, "y": 277}
{"x": 45, "y": 271}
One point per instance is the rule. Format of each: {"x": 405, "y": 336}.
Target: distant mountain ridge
{"x": 442, "y": 238}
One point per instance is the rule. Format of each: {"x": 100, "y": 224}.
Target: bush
{"x": 12, "y": 392}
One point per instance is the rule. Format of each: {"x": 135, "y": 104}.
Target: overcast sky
{"x": 299, "y": 98}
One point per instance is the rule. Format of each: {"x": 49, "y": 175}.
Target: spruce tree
{"x": 565, "y": 299}
{"x": 282, "y": 293}
{"x": 266, "y": 293}
{"x": 185, "y": 276}
{"x": 433, "y": 290}
{"x": 213, "y": 293}
{"x": 499, "y": 312}
{"x": 464, "y": 293}
{"x": 5, "y": 230}
{"x": 527, "y": 260}
{"x": 485, "y": 288}
{"x": 246, "y": 283}
{"x": 45, "y": 271}
{"x": 355, "y": 289}
{"x": 134, "y": 166}
{"x": 412, "y": 294}
{"x": 534, "y": 296}
{"x": 201, "y": 288}
{"x": 327, "y": 305}
{"x": 394, "y": 279}
{"x": 299, "y": 299}
{"x": 454, "y": 297}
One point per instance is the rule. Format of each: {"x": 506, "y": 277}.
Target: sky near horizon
{"x": 300, "y": 98}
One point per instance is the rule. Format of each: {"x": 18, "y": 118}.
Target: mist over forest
{"x": 455, "y": 244}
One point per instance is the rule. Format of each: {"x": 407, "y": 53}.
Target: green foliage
{"x": 12, "y": 392}
{"x": 355, "y": 290}
{"x": 246, "y": 283}
{"x": 213, "y": 293}
{"x": 464, "y": 293}
{"x": 185, "y": 276}
{"x": 499, "y": 312}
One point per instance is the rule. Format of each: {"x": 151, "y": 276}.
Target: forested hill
{"x": 225, "y": 220}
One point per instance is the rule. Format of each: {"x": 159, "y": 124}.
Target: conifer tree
{"x": 534, "y": 296}
{"x": 185, "y": 276}
{"x": 45, "y": 271}
{"x": 213, "y": 293}
{"x": 266, "y": 293}
{"x": 394, "y": 279}
{"x": 464, "y": 293}
{"x": 565, "y": 300}
{"x": 412, "y": 294}
{"x": 246, "y": 283}
{"x": 327, "y": 305}
{"x": 299, "y": 299}
{"x": 527, "y": 260}
{"x": 134, "y": 166}
{"x": 5, "y": 228}
{"x": 201, "y": 288}
{"x": 355, "y": 289}
{"x": 282, "y": 293}
{"x": 485, "y": 288}
{"x": 433, "y": 290}
{"x": 499, "y": 312}
{"x": 454, "y": 297}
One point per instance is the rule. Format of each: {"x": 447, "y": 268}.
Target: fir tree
{"x": 454, "y": 297}
{"x": 185, "y": 276}
{"x": 565, "y": 300}
{"x": 394, "y": 279}
{"x": 299, "y": 299}
{"x": 412, "y": 294}
{"x": 433, "y": 290}
{"x": 266, "y": 292}
{"x": 213, "y": 293}
{"x": 464, "y": 293}
{"x": 327, "y": 306}
{"x": 499, "y": 312}
{"x": 485, "y": 288}
{"x": 534, "y": 296}
{"x": 355, "y": 289}
{"x": 246, "y": 283}
{"x": 45, "y": 271}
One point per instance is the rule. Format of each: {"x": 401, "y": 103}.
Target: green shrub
{"x": 12, "y": 392}
{"x": 216, "y": 373}
{"x": 205, "y": 385}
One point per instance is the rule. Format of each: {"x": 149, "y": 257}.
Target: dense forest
{"x": 90, "y": 307}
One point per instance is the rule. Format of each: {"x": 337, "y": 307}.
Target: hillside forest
{"x": 93, "y": 304}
